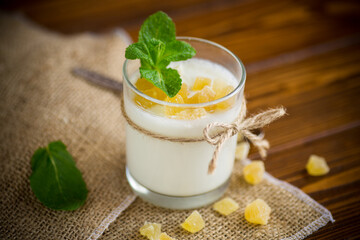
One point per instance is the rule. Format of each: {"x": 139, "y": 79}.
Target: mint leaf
{"x": 171, "y": 85}
{"x": 158, "y": 26}
{"x": 138, "y": 50}
{"x": 178, "y": 51}
{"x": 157, "y": 47}
{"x": 55, "y": 180}
{"x": 173, "y": 81}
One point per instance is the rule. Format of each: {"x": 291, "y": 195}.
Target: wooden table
{"x": 304, "y": 55}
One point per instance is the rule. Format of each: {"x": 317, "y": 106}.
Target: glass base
{"x": 175, "y": 202}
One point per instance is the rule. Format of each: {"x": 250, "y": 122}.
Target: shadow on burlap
{"x": 41, "y": 102}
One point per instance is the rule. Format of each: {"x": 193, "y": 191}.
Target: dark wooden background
{"x": 304, "y": 55}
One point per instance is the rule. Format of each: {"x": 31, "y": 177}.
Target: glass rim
{"x": 193, "y": 105}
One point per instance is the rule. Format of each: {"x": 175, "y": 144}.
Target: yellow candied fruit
{"x": 226, "y": 206}
{"x": 184, "y": 92}
{"x": 222, "y": 89}
{"x": 257, "y": 212}
{"x": 254, "y": 172}
{"x": 191, "y": 114}
{"x": 242, "y": 150}
{"x": 143, "y": 84}
{"x": 317, "y": 166}
{"x": 200, "y": 83}
{"x": 149, "y": 89}
{"x": 206, "y": 95}
{"x": 193, "y": 223}
{"x": 164, "y": 236}
{"x": 172, "y": 111}
{"x": 151, "y": 230}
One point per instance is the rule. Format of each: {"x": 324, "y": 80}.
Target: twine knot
{"x": 243, "y": 126}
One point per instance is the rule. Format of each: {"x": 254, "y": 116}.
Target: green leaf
{"x": 157, "y": 47}
{"x": 178, "y": 51}
{"x": 138, "y": 51}
{"x": 55, "y": 180}
{"x": 167, "y": 79}
{"x": 172, "y": 81}
{"x": 157, "y": 26}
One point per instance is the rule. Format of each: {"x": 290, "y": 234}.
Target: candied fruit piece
{"x": 222, "y": 89}
{"x": 191, "y": 114}
{"x": 164, "y": 236}
{"x": 184, "y": 92}
{"x": 143, "y": 84}
{"x": 242, "y": 150}
{"x": 200, "y": 83}
{"x": 206, "y": 95}
{"x": 226, "y": 206}
{"x": 143, "y": 102}
{"x": 219, "y": 87}
{"x": 172, "y": 111}
{"x": 151, "y": 230}
{"x": 202, "y": 96}
{"x": 223, "y": 105}
{"x": 254, "y": 172}
{"x": 258, "y": 212}
{"x": 193, "y": 223}
{"x": 156, "y": 93}
{"x": 193, "y": 99}
{"x": 317, "y": 166}
{"x": 149, "y": 89}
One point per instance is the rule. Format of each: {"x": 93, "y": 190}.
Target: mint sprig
{"x": 156, "y": 48}
{"x": 55, "y": 179}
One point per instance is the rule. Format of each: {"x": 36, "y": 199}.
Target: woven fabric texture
{"x": 41, "y": 102}
{"x": 294, "y": 214}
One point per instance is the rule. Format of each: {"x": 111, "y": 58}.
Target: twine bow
{"x": 244, "y": 127}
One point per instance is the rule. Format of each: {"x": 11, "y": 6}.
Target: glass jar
{"x": 174, "y": 174}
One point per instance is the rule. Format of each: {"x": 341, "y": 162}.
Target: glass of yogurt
{"x": 174, "y": 174}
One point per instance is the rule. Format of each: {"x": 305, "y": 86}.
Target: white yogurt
{"x": 180, "y": 169}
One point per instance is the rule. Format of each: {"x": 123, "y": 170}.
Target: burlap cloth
{"x": 41, "y": 101}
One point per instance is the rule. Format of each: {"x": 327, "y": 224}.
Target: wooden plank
{"x": 255, "y": 30}
{"x": 319, "y": 94}
{"x": 70, "y": 16}
{"x": 338, "y": 191}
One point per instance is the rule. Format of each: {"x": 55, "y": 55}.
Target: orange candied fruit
{"x": 149, "y": 89}
{"x": 204, "y": 90}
